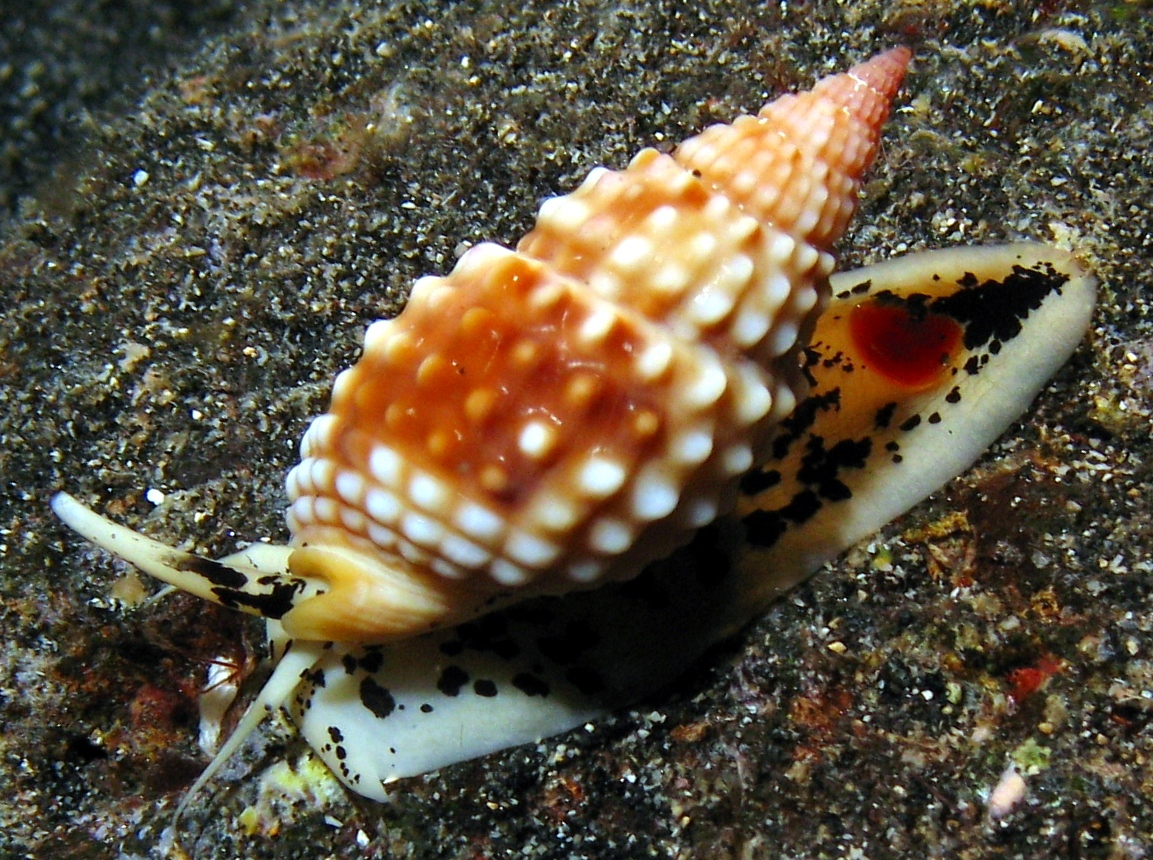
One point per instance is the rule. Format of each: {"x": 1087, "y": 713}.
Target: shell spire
{"x": 798, "y": 163}
{"x": 554, "y": 417}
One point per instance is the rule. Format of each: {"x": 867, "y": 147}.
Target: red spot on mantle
{"x": 911, "y": 350}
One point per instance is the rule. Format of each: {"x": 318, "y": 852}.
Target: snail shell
{"x": 551, "y": 418}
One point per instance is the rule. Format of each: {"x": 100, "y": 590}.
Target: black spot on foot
{"x": 451, "y": 680}
{"x": 376, "y": 698}
{"x": 530, "y": 685}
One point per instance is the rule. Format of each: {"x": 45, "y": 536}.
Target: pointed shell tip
{"x": 884, "y": 72}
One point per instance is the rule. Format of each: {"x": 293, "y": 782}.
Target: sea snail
{"x": 659, "y": 378}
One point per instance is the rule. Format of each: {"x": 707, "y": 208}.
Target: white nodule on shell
{"x": 663, "y": 218}
{"x": 308, "y": 442}
{"x": 429, "y": 493}
{"x": 804, "y": 300}
{"x": 640, "y": 159}
{"x": 382, "y": 506}
{"x": 708, "y": 387}
{"x": 783, "y": 337}
{"x": 325, "y": 510}
{"x": 807, "y": 221}
{"x": 476, "y": 260}
{"x": 478, "y": 523}
{"x": 586, "y": 571}
{"x": 737, "y": 459}
{"x": 412, "y": 553}
{"x": 754, "y": 400}
{"x": 750, "y": 326}
{"x": 439, "y": 294}
{"x": 785, "y": 402}
{"x": 507, "y": 573}
{"x": 563, "y": 214}
{"x": 743, "y": 182}
{"x": 442, "y": 567}
{"x": 654, "y": 360}
{"x": 342, "y": 385}
{"x": 351, "y": 487}
{"x": 655, "y": 495}
{"x": 593, "y": 178}
{"x": 322, "y": 474}
{"x": 549, "y": 206}
{"x": 479, "y": 403}
{"x": 718, "y": 210}
{"x": 736, "y": 272}
{"x": 537, "y": 439}
{"x": 703, "y": 245}
{"x": 632, "y": 253}
{"x": 530, "y": 550}
{"x": 424, "y": 285}
{"x": 464, "y": 552}
{"x": 818, "y": 196}
{"x": 610, "y": 536}
{"x": 605, "y": 284}
{"x": 672, "y": 278}
{"x": 353, "y": 520}
{"x": 426, "y": 372}
{"x": 777, "y": 289}
{"x": 546, "y": 296}
{"x": 524, "y": 353}
{"x": 475, "y": 319}
{"x": 394, "y": 346}
{"x": 597, "y": 325}
{"x": 679, "y": 182}
{"x": 554, "y": 512}
{"x": 781, "y": 247}
{"x": 600, "y": 477}
{"x": 421, "y": 530}
{"x": 806, "y": 258}
{"x": 318, "y": 435}
{"x": 384, "y": 465}
{"x": 297, "y": 483}
{"x": 710, "y": 306}
{"x": 699, "y": 512}
{"x": 376, "y": 334}
{"x": 743, "y": 227}
{"x": 382, "y": 537}
{"x": 299, "y": 514}
{"x": 692, "y": 446}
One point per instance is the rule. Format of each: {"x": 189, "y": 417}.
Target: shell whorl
{"x": 559, "y": 415}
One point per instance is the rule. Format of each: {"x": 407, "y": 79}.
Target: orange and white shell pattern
{"x": 549, "y": 418}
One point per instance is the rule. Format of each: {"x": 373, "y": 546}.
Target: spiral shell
{"x": 549, "y": 418}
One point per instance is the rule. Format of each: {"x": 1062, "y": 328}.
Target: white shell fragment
{"x": 1007, "y": 794}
